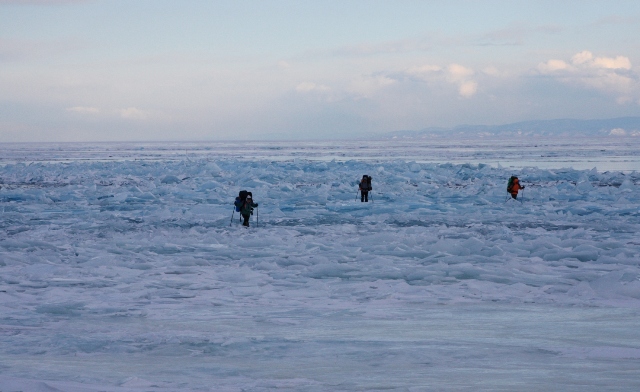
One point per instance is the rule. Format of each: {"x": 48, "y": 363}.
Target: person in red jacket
{"x": 514, "y": 186}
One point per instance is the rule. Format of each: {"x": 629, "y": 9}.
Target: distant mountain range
{"x": 621, "y": 126}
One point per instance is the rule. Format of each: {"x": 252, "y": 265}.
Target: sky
{"x": 147, "y": 70}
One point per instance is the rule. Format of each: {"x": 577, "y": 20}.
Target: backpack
{"x": 366, "y": 183}
{"x": 242, "y": 196}
{"x": 510, "y": 184}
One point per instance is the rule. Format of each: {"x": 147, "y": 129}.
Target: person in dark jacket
{"x": 246, "y": 209}
{"x": 365, "y": 186}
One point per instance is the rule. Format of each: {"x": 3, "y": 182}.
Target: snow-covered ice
{"x": 122, "y": 270}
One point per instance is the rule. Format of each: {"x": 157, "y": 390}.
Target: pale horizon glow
{"x": 209, "y": 70}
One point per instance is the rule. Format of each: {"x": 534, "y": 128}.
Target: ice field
{"x": 122, "y": 270}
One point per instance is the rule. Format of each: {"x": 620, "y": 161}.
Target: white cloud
{"x": 456, "y": 74}
{"x": 461, "y": 76}
{"x": 84, "y": 110}
{"x": 553, "y": 66}
{"x": 619, "y": 62}
{"x": 468, "y": 89}
{"x": 587, "y": 58}
{"x": 583, "y": 57}
{"x": 134, "y": 113}
{"x": 612, "y": 75}
{"x": 367, "y": 86}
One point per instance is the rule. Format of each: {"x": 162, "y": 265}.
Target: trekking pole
{"x": 231, "y": 221}
{"x": 257, "y": 217}
{"x": 356, "y": 199}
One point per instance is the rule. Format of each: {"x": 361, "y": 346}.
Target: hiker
{"x": 365, "y": 186}
{"x": 245, "y": 205}
{"x": 513, "y": 186}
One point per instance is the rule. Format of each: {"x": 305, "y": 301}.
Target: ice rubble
{"x": 435, "y": 228}
{"x": 88, "y": 247}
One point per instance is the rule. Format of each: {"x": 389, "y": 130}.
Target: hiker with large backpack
{"x": 364, "y": 186}
{"x": 245, "y": 205}
{"x": 513, "y": 186}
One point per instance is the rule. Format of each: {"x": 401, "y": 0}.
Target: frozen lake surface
{"x": 121, "y": 269}
{"x": 605, "y": 153}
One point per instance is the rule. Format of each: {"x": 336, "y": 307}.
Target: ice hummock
{"x": 131, "y": 275}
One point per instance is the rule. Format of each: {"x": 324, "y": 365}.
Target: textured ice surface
{"x": 127, "y": 274}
